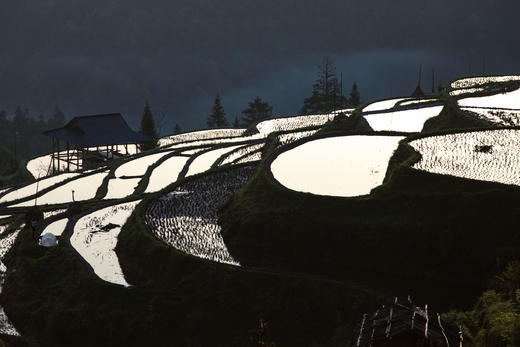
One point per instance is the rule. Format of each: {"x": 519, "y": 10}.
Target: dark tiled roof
{"x": 98, "y": 130}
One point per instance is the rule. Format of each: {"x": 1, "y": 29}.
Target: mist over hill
{"x": 101, "y": 57}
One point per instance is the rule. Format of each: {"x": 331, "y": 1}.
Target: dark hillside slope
{"x": 52, "y": 297}
{"x": 440, "y": 245}
{"x": 12, "y": 172}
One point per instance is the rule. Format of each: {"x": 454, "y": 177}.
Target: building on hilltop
{"x": 92, "y": 138}
{"x": 404, "y": 324}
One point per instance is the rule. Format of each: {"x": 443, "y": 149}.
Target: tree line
{"x": 327, "y": 96}
{"x": 21, "y": 133}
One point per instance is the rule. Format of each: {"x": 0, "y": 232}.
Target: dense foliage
{"x": 257, "y": 111}
{"x": 326, "y": 92}
{"x": 495, "y": 318}
{"x": 21, "y": 133}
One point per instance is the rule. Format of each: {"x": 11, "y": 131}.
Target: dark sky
{"x": 110, "y": 56}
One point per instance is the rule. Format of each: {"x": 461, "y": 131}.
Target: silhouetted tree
{"x": 20, "y": 120}
{"x": 236, "y": 123}
{"x": 258, "y": 110}
{"x": 354, "y": 99}
{"x": 326, "y": 93}
{"x": 217, "y": 118}
{"x": 57, "y": 119}
{"x": 177, "y": 129}
{"x": 440, "y": 87}
{"x": 148, "y": 128}
{"x": 4, "y": 122}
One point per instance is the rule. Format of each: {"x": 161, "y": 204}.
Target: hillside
{"x": 305, "y": 222}
{"x": 11, "y": 172}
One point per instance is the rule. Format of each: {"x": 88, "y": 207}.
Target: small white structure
{"x": 48, "y": 240}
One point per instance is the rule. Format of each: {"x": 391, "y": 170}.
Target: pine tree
{"x": 258, "y": 110}
{"x": 326, "y": 92}
{"x": 57, "y": 119}
{"x": 3, "y": 119}
{"x": 355, "y": 98}
{"x": 20, "y": 120}
{"x": 236, "y": 123}
{"x": 217, "y": 118}
{"x": 148, "y": 128}
{"x": 177, "y": 129}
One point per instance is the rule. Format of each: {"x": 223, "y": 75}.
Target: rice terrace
{"x": 291, "y": 232}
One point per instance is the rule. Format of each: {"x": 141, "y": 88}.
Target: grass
{"x": 53, "y": 298}
{"x": 435, "y": 237}
{"x": 12, "y": 171}
{"x": 405, "y": 238}
{"x": 355, "y": 122}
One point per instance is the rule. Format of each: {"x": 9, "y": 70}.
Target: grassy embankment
{"x": 437, "y": 243}
{"x": 53, "y": 298}
{"x": 435, "y": 237}
{"x": 12, "y": 172}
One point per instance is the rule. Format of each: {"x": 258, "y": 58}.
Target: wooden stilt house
{"x": 91, "y": 138}
{"x": 404, "y": 324}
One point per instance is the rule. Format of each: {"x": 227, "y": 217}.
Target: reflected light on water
{"x": 336, "y": 166}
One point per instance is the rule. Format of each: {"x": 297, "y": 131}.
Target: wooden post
{"x": 68, "y": 157}
{"x": 361, "y": 330}
{"x": 58, "y": 150}
{"x": 442, "y": 330}
{"x": 53, "y": 154}
{"x": 126, "y": 148}
{"x": 426, "y": 324}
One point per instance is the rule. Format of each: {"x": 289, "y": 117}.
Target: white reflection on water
{"x": 466, "y": 91}
{"x": 204, "y": 161}
{"x": 269, "y": 126}
{"x": 31, "y": 188}
{"x": 406, "y": 121}
{"x": 240, "y": 152}
{"x": 382, "y": 105}
{"x": 187, "y": 217}
{"x": 503, "y": 117}
{"x": 504, "y": 100}
{"x": 471, "y": 82}
{"x": 490, "y": 155}
{"x": 84, "y": 188}
{"x": 285, "y": 139}
{"x": 56, "y": 228}
{"x": 166, "y": 173}
{"x": 255, "y": 156}
{"x": 6, "y": 326}
{"x": 96, "y": 245}
{"x": 119, "y": 188}
{"x": 138, "y": 166}
{"x": 336, "y": 166}
{"x": 200, "y": 135}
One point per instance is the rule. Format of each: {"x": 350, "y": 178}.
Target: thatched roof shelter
{"x": 84, "y": 133}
